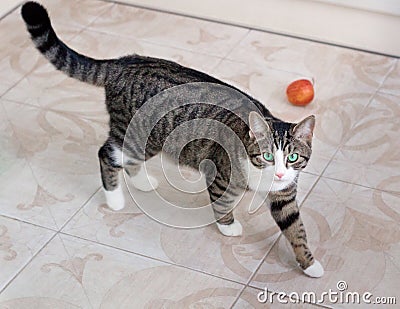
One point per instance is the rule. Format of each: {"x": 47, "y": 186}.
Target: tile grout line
{"x": 74, "y": 268}
{"x": 393, "y": 67}
{"x": 150, "y": 257}
{"x": 40, "y": 107}
{"x": 28, "y": 223}
{"x": 345, "y": 139}
{"x": 56, "y": 232}
{"x": 26, "y": 160}
{"x": 376, "y": 92}
{"x": 79, "y": 209}
{"x": 81, "y": 29}
{"x": 27, "y": 263}
{"x": 237, "y": 297}
{"x": 10, "y": 11}
{"x": 121, "y": 2}
{"x": 226, "y": 57}
{"x": 361, "y": 185}
{"x": 147, "y": 41}
{"x": 237, "y": 44}
{"x": 257, "y": 268}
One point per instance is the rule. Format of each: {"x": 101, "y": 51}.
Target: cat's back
{"x": 155, "y": 73}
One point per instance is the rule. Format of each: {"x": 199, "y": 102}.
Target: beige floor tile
{"x": 170, "y": 30}
{"x": 354, "y": 232}
{"x": 17, "y": 52}
{"x": 77, "y": 274}
{"x": 14, "y": 34}
{"x": 17, "y": 180}
{"x": 19, "y": 243}
{"x": 11, "y": 149}
{"x": 79, "y": 13}
{"x": 49, "y": 88}
{"x": 370, "y": 156}
{"x": 103, "y": 45}
{"x": 337, "y": 69}
{"x": 392, "y": 83}
{"x": 59, "y": 169}
{"x": 203, "y": 249}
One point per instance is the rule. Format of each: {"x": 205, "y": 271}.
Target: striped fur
{"x": 131, "y": 81}
{"x": 286, "y": 214}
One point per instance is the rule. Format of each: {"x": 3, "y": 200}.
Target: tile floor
{"x": 61, "y": 247}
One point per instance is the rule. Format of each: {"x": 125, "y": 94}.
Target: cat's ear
{"x": 304, "y": 129}
{"x": 258, "y": 126}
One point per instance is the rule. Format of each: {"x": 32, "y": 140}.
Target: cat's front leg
{"x": 223, "y": 202}
{"x": 285, "y": 211}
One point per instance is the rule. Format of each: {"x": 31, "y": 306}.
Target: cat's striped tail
{"x": 65, "y": 59}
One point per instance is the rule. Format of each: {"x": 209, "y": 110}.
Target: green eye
{"x": 268, "y": 156}
{"x": 293, "y": 157}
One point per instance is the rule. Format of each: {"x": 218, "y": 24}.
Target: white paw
{"x": 145, "y": 183}
{"x": 115, "y": 199}
{"x": 315, "y": 270}
{"x": 234, "y": 229}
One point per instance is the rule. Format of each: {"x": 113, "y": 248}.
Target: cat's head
{"x": 280, "y": 149}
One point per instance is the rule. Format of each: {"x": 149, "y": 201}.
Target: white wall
{"x": 381, "y": 6}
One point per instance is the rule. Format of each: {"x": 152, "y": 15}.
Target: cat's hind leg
{"x": 140, "y": 179}
{"x": 110, "y": 168}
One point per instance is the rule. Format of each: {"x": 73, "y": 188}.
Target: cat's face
{"x": 279, "y": 150}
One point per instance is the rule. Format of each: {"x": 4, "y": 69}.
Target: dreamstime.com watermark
{"x": 339, "y": 296}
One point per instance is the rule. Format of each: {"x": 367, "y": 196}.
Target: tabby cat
{"x": 274, "y": 149}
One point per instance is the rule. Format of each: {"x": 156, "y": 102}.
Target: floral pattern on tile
{"x": 370, "y": 156}
{"x": 353, "y": 231}
{"x": 337, "y": 69}
{"x": 105, "y": 45}
{"x": 59, "y": 151}
{"x": 392, "y": 82}
{"x": 6, "y": 244}
{"x": 75, "y": 273}
{"x": 18, "y": 55}
{"x": 19, "y": 242}
{"x": 130, "y": 229}
{"x": 170, "y": 30}
{"x": 79, "y": 13}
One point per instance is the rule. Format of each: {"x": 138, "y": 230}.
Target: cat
{"x": 274, "y": 149}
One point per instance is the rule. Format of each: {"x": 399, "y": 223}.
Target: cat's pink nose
{"x": 279, "y": 175}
